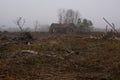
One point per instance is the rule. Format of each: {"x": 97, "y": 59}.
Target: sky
{"x": 45, "y": 11}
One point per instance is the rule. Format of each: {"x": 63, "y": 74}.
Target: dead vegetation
{"x": 59, "y": 57}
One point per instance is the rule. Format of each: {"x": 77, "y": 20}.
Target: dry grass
{"x": 91, "y": 59}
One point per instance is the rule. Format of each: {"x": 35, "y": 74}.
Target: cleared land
{"x": 59, "y": 57}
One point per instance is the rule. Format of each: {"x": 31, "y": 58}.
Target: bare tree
{"x": 106, "y": 28}
{"x": 68, "y": 16}
{"x": 20, "y": 22}
{"x": 112, "y": 25}
{"x": 36, "y": 25}
{"x": 61, "y": 15}
{"x": 77, "y": 17}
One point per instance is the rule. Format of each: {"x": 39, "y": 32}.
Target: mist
{"x": 46, "y": 11}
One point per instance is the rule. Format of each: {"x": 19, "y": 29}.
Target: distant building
{"x": 62, "y": 28}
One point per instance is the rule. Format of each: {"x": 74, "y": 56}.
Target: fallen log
{"x": 29, "y": 51}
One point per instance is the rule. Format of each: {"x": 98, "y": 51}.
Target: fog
{"x": 45, "y": 11}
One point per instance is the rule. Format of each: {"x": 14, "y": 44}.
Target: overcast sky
{"x": 45, "y": 11}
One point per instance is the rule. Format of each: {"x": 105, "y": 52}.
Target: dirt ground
{"x": 59, "y": 57}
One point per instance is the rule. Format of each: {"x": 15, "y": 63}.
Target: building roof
{"x": 56, "y": 25}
